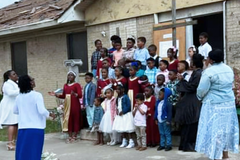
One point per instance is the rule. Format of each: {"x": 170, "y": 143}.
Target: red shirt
{"x": 173, "y": 65}
{"x": 99, "y": 65}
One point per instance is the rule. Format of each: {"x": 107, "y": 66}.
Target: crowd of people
{"x": 134, "y": 92}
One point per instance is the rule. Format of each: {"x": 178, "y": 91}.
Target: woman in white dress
{"x": 7, "y": 118}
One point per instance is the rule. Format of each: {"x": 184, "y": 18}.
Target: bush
{"x": 1, "y": 96}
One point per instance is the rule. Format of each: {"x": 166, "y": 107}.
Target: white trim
{"x": 189, "y": 36}
{"x": 28, "y": 27}
{"x": 72, "y": 14}
{"x": 192, "y": 12}
{"x": 155, "y": 16}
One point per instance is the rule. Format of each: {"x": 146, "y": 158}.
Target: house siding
{"x": 145, "y": 28}
{"x": 133, "y": 27}
{"x": 94, "y": 33}
{"x": 121, "y": 9}
{"x": 45, "y": 56}
{"x": 5, "y": 59}
{"x": 233, "y": 33}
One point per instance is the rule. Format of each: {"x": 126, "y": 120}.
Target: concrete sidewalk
{"x": 85, "y": 150}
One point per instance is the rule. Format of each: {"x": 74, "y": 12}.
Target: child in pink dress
{"x": 109, "y": 106}
{"x": 118, "y": 54}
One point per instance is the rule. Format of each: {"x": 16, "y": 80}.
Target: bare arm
{"x": 141, "y": 111}
{"x": 134, "y": 111}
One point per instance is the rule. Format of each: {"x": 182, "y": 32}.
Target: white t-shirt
{"x": 31, "y": 110}
{"x": 160, "y": 105}
{"x": 139, "y": 119}
{"x": 187, "y": 76}
{"x": 204, "y": 50}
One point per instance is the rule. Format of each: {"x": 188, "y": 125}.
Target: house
{"x": 218, "y": 18}
{"x": 36, "y": 36}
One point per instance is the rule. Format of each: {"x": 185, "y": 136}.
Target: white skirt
{"x": 124, "y": 123}
{"x": 218, "y": 129}
{"x": 7, "y": 117}
{"x": 106, "y": 124}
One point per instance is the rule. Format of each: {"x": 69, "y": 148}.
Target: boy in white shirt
{"x": 204, "y": 47}
{"x": 139, "y": 113}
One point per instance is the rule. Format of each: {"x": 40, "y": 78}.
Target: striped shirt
{"x": 95, "y": 57}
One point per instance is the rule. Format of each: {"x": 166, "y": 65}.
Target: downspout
{"x": 224, "y": 32}
{"x": 155, "y": 16}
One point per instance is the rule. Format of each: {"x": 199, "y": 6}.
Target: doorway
{"x": 19, "y": 57}
{"x": 77, "y": 49}
{"x": 213, "y": 25}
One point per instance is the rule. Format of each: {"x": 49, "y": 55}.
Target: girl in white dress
{"x": 191, "y": 51}
{"x": 123, "y": 122}
{"x": 109, "y": 106}
{"x": 7, "y": 118}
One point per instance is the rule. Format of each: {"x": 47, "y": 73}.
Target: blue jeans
{"x": 90, "y": 114}
{"x": 94, "y": 72}
{"x": 165, "y": 134}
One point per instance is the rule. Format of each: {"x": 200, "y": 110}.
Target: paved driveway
{"x": 84, "y": 150}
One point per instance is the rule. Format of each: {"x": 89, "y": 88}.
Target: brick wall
{"x": 145, "y": 28}
{"x": 45, "y": 55}
{"x": 94, "y": 33}
{"x": 233, "y": 33}
{"x": 5, "y": 60}
{"x": 141, "y": 26}
{"x": 45, "y": 63}
{"x": 127, "y": 28}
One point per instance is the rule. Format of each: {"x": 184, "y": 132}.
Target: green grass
{"x": 238, "y": 111}
{"x": 51, "y": 127}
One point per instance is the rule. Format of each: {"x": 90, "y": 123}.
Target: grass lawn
{"x": 51, "y": 127}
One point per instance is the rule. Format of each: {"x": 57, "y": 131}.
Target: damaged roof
{"x": 31, "y": 11}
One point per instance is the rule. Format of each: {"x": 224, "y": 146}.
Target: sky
{"x": 4, "y": 3}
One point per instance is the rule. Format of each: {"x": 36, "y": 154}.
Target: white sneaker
{"x": 93, "y": 129}
{"x": 124, "y": 143}
{"x": 131, "y": 144}
{"x": 113, "y": 143}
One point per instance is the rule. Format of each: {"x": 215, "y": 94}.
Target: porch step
{"x": 87, "y": 135}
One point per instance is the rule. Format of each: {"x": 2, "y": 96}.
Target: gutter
{"x": 28, "y": 27}
{"x": 224, "y": 32}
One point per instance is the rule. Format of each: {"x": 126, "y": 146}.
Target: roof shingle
{"x": 32, "y": 11}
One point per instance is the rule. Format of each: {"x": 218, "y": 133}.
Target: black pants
{"x": 188, "y": 137}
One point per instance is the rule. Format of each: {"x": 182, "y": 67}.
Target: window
{"x": 19, "y": 57}
{"x": 77, "y": 49}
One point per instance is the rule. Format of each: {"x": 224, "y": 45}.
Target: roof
{"x": 32, "y": 11}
